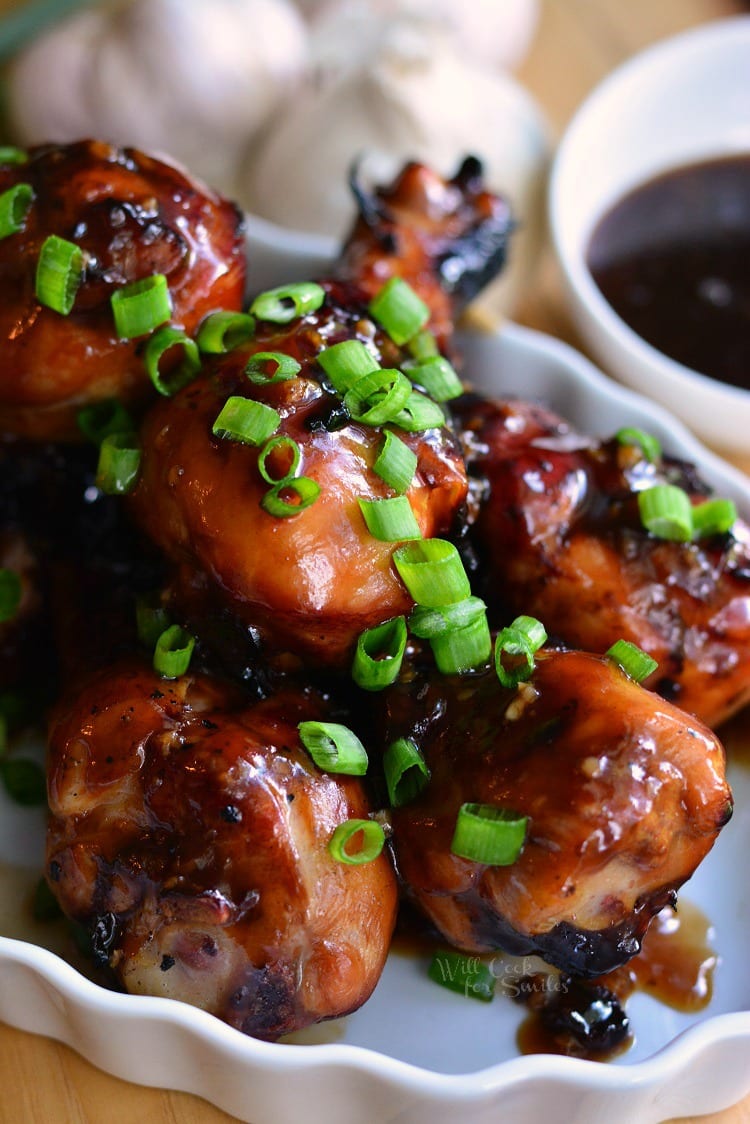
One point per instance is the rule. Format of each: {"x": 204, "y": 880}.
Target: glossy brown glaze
{"x": 133, "y": 216}
{"x": 189, "y": 834}
{"x": 562, "y": 540}
{"x": 308, "y": 585}
{"x": 625, "y": 795}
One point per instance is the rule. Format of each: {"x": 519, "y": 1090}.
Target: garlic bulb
{"x": 496, "y": 32}
{"x": 416, "y": 98}
{"x": 194, "y": 80}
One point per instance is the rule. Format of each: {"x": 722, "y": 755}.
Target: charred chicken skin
{"x": 310, "y": 584}
{"x": 624, "y": 793}
{"x": 562, "y": 539}
{"x": 132, "y": 216}
{"x": 189, "y": 834}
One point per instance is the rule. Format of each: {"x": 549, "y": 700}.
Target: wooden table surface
{"x": 578, "y": 43}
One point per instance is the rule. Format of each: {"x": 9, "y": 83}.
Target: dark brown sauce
{"x": 586, "y": 1019}
{"x": 673, "y": 260}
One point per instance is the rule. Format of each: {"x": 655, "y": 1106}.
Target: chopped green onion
{"x": 345, "y": 363}
{"x": 334, "y": 748}
{"x": 436, "y": 376}
{"x": 423, "y": 346}
{"x": 459, "y": 650}
{"x": 713, "y": 517}
{"x": 279, "y": 449}
{"x": 377, "y": 398}
{"x": 395, "y": 463}
{"x": 151, "y": 618}
{"x": 666, "y": 512}
{"x": 184, "y": 372}
{"x": 429, "y": 623}
{"x": 432, "y": 571}
{"x": 100, "y": 419}
{"x": 24, "y": 781}
{"x": 489, "y": 835}
{"x": 523, "y": 637}
{"x": 221, "y": 332}
{"x": 9, "y": 154}
{"x": 59, "y": 271}
{"x": 390, "y": 520}
{"x": 467, "y": 975}
{"x": 399, "y": 310}
{"x": 649, "y": 445}
{"x": 141, "y": 306}
{"x": 119, "y": 463}
{"x": 242, "y": 419}
{"x": 173, "y": 652}
{"x": 302, "y": 490}
{"x": 406, "y": 773}
{"x": 11, "y": 590}
{"x": 282, "y": 367}
{"x": 418, "y": 414}
{"x": 368, "y": 835}
{"x": 379, "y": 653}
{"x": 633, "y": 660}
{"x": 15, "y": 204}
{"x": 288, "y": 302}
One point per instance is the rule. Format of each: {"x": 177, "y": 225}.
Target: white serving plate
{"x": 416, "y": 1053}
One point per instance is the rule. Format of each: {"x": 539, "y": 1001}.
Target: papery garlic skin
{"x": 496, "y": 32}
{"x": 193, "y": 80}
{"x": 417, "y": 98}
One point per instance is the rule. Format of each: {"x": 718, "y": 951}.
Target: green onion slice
{"x": 649, "y": 445}
{"x": 140, "y": 307}
{"x": 379, "y": 654}
{"x": 436, "y": 376}
{"x": 406, "y": 773}
{"x": 399, "y": 310}
{"x": 666, "y": 512}
{"x": 378, "y": 397}
{"x": 489, "y": 835}
{"x": 713, "y": 517}
{"x": 633, "y": 660}
{"x": 418, "y": 414}
{"x": 162, "y": 342}
{"x": 523, "y": 637}
{"x": 367, "y": 837}
{"x": 119, "y": 463}
{"x": 267, "y": 367}
{"x": 345, "y": 363}
{"x": 281, "y": 454}
{"x": 429, "y": 623}
{"x": 459, "y": 650}
{"x": 288, "y": 302}
{"x": 173, "y": 651}
{"x": 15, "y": 204}
{"x": 221, "y": 332}
{"x": 334, "y": 748}
{"x": 290, "y": 497}
{"x": 11, "y": 590}
{"x": 423, "y": 346}
{"x": 467, "y": 975}
{"x": 391, "y": 519}
{"x": 9, "y": 154}
{"x": 151, "y": 618}
{"x": 242, "y": 419}
{"x": 59, "y": 272}
{"x": 99, "y": 419}
{"x": 395, "y": 463}
{"x": 433, "y": 572}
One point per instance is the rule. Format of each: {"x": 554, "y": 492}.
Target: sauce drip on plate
{"x": 673, "y": 260}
